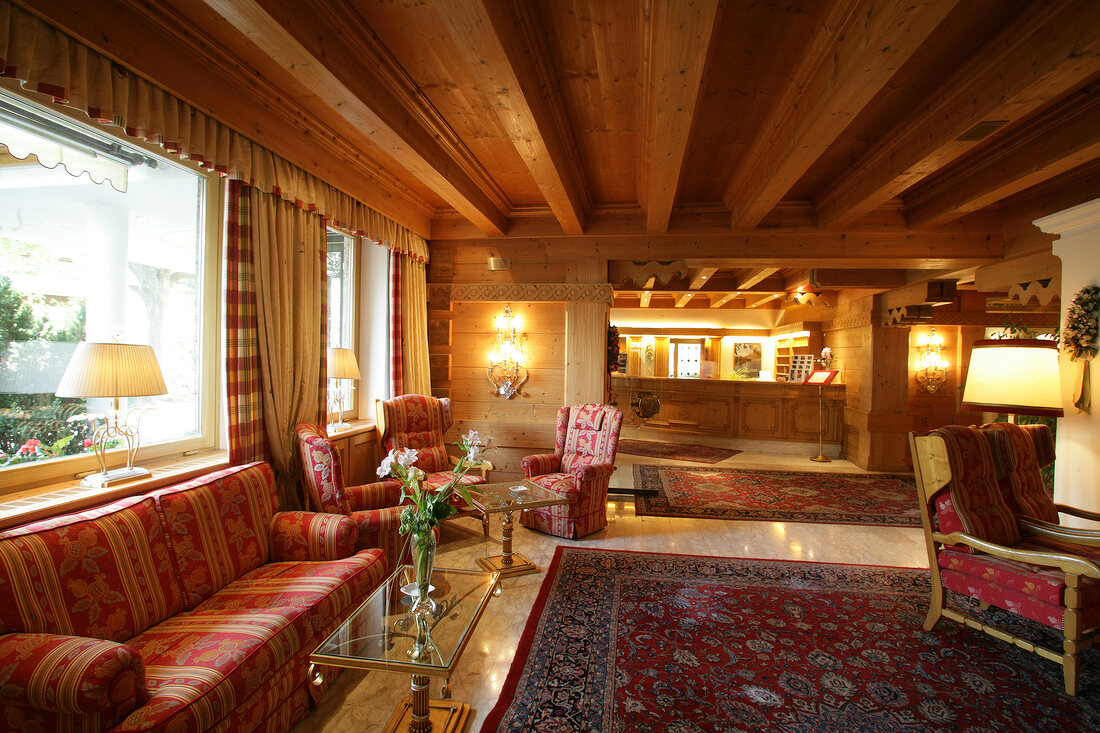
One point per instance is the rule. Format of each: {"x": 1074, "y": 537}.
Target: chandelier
{"x": 931, "y": 366}
{"x": 506, "y": 370}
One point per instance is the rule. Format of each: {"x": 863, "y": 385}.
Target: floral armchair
{"x": 579, "y": 468}
{"x": 420, "y": 422}
{"x": 977, "y": 547}
{"x": 374, "y": 507}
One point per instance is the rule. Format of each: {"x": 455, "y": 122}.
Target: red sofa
{"x": 192, "y": 608}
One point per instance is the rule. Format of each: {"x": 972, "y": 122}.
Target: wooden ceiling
{"x": 737, "y": 136}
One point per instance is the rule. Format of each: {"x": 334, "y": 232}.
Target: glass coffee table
{"x": 505, "y": 498}
{"x": 382, "y": 634}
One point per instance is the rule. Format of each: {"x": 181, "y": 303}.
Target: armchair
{"x": 374, "y": 507}
{"x": 579, "y": 468}
{"x": 977, "y": 548}
{"x": 420, "y": 422}
{"x": 1020, "y": 456}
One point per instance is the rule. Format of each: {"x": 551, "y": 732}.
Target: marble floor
{"x": 361, "y": 702}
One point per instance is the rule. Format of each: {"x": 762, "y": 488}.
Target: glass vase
{"x": 423, "y": 558}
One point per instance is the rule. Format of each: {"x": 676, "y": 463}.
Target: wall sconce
{"x": 506, "y": 370}
{"x": 931, "y": 366}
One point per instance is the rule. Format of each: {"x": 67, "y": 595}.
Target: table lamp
{"x": 1016, "y": 376}
{"x": 341, "y": 365}
{"x": 112, "y": 371}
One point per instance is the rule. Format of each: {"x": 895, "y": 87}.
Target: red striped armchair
{"x": 579, "y": 469}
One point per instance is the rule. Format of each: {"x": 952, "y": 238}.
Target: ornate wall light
{"x": 506, "y": 370}
{"x": 931, "y": 366}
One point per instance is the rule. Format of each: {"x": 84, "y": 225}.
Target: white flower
{"x": 386, "y": 465}
{"x": 472, "y": 438}
{"x": 475, "y": 452}
{"x": 407, "y": 457}
{"x": 416, "y": 474}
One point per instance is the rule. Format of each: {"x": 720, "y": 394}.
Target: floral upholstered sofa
{"x": 192, "y": 608}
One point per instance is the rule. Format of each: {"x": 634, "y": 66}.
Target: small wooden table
{"x": 383, "y": 634}
{"x": 505, "y": 498}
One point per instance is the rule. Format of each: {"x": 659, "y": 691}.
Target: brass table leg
{"x": 506, "y": 540}
{"x": 420, "y": 722}
{"x": 508, "y": 563}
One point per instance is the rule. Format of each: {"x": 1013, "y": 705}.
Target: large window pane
{"x": 80, "y": 260}
{"x": 341, "y": 290}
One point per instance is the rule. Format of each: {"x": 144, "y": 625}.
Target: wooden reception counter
{"x": 734, "y": 408}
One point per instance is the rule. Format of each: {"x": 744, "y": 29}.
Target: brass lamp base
{"x": 822, "y": 458}
{"x": 112, "y": 477}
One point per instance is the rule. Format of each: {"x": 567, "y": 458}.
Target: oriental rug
{"x": 622, "y": 642}
{"x": 776, "y": 496}
{"x": 675, "y": 451}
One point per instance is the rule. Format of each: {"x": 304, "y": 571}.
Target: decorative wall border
{"x": 548, "y": 292}
{"x": 852, "y": 321}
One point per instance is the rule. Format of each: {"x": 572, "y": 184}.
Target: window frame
{"x": 351, "y": 301}
{"x": 36, "y": 474}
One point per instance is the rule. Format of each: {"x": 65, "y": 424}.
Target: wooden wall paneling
{"x": 585, "y": 352}
{"x": 760, "y": 417}
{"x": 362, "y": 458}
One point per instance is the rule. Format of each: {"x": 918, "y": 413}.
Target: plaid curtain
{"x": 244, "y": 396}
{"x": 396, "y": 368}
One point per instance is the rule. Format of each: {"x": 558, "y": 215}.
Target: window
{"x": 341, "y": 290}
{"x": 120, "y": 259}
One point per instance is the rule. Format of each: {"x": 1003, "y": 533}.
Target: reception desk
{"x": 734, "y": 408}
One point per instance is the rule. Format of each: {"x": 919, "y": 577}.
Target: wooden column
{"x": 585, "y": 352}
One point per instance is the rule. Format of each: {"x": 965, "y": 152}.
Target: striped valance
{"x": 45, "y": 60}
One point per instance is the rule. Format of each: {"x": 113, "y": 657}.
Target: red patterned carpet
{"x": 675, "y": 451}
{"x": 623, "y": 642}
{"x": 776, "y": 496}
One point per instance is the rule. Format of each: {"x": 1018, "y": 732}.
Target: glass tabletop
{"x": 382, "y": 634}
{"x": 509, "y": 495}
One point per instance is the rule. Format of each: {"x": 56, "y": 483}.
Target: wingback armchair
{"x": 420, "y": 422}
{"x": 579, "y": 468}
{"x": 374, "y": 507}
{"x": 977, "y": 547}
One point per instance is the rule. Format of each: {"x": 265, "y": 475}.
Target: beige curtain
{"x": 45, "y": 60}
{"x": 416, "y": 373}
{"x": 289, "y": 260}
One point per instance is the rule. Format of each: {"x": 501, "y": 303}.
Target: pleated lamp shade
{"x": 1017, "y": 376}
{"x": 342, "y": 364}
{"x": 112, "y": 370}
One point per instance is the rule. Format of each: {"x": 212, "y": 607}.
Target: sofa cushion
{"x": 201, "y": 665}
{"x": 106, "y": 573}
{"x": 219, "y": 526}
{"x": 326, "y": 590}
{"x": 973, "y": 503}
{"x": 1033, "y": 591}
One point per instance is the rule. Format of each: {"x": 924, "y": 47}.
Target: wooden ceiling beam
{"x": 701, "y": 277}
{"x": 933, "y": 292}
{"x": 839, "y": 72}
{"x": 506, "y": 45}
{"x": 840, "y": 279}
{"x": 724, "y": 299}
{"x": 678, "y": 43}
{"x": 775, "y": 249}
{"x": 1053, "y": 142}
{"x": 763, "y": 301}
{"x": 162, "y": 45}
{"x": 1045, "y": 51}
{"x": 683, "y": 300}
{"x": 756, "y": 276}
{"x": 318, "y": 44}
{"x": 643, "y": 299}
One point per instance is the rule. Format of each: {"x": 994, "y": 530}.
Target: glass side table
{"x": 382, "y": 634}
{"x": 505, "y": 498}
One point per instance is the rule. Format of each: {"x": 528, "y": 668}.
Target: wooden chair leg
{"x": 1069, "y": 672}
{"x": 935, "y": 604}
{"x": 485, "y": 524}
